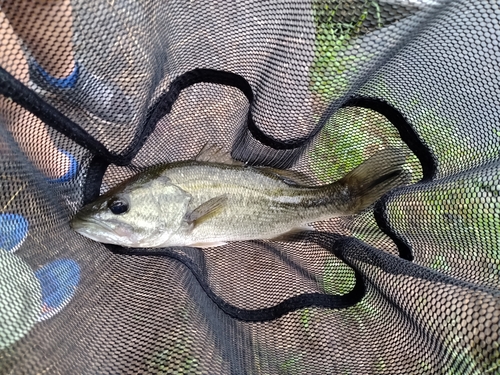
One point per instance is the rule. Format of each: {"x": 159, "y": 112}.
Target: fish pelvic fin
{"x": 206, "y": 210}
{"x": 375, "y": 177}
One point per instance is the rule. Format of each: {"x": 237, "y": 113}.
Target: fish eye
{"x": 118, "y": 206}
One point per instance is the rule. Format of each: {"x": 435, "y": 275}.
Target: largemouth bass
{"x": 211, "y": 200}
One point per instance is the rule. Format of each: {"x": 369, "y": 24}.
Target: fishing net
{"x": 95, "y": 92}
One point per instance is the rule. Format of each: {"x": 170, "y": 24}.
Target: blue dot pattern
{"x": 13, "y": 231}
{"x": 72, "y": 171}
{"x": 61, "y": 83}
{"x": 58, "y": 280}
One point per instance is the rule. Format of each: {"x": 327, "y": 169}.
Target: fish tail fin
{"x": 375, "y": 177}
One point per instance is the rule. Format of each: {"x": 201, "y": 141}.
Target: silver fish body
{"x": 204, "y": 204}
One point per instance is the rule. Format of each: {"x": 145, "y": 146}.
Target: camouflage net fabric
{"x": 94, "y": 92}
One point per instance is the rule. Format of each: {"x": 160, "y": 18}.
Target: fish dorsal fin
{"x": 205, "y": 210}
{"x": 211, "y": 153}
{"x": 288, "y": 176}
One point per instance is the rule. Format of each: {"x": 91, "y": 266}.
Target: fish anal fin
{"x": 292, "y": 233}
{"x": 206, "y": 210}
{"x": 208, "y": 244}
{"x": 212, "y": 153}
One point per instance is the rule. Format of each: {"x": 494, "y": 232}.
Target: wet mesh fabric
{"x": 94, "y": 92}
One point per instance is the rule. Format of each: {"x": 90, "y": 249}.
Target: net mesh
{"x": 95, "y": 92}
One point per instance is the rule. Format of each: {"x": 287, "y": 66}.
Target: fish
{"x": 212, "y": 200}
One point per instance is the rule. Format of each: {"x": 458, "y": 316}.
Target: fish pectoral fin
{"x": 205, "y": 210}
{"x": 287, "y": 236}
{"x": 214, "y": 154}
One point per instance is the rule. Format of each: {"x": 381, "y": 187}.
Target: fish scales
{"x": 257, "y": 202}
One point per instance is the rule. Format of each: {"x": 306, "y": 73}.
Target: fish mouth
{"x": 79, "y": 223}
{"x": 96, "y": 230}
